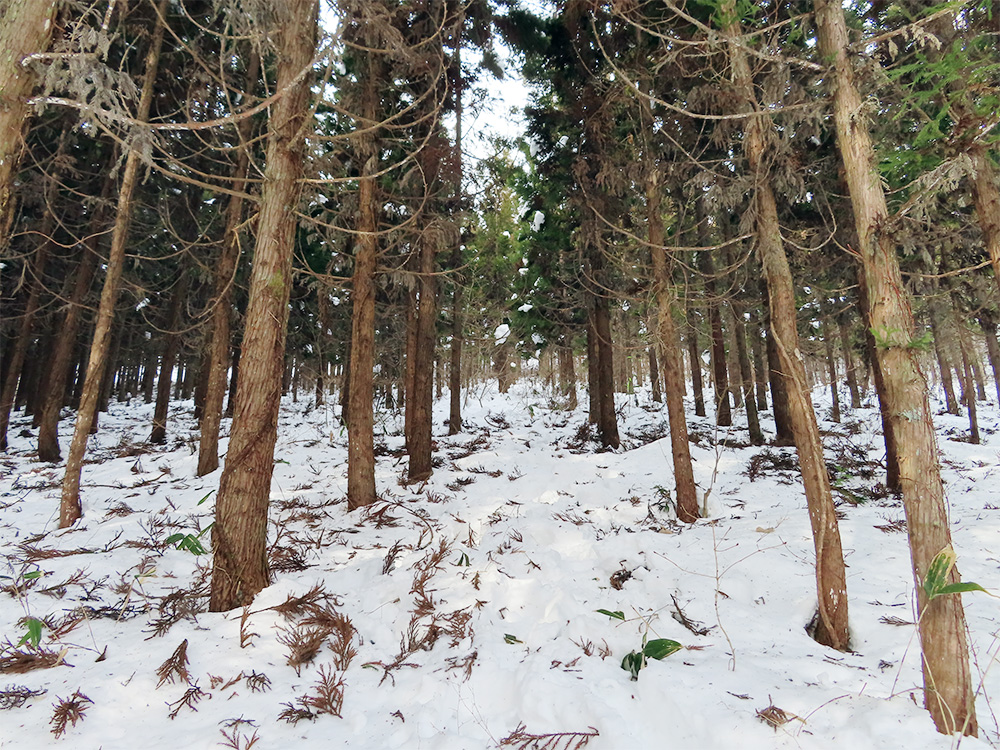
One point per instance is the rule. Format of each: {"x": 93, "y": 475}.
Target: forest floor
{"x": 467, "y": 612}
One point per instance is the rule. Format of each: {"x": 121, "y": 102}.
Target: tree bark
{"x": 171, "y": 344}
{"x": 654, "y": 376}
{"x": 70, "y": 508}
{"x": 989, "y": 327}
{"x": 694, "y": 356}
{"x": 670, "y": 355}
{"x": 852, "y": 376}
{"x": 458, "y": 278}
{"x": 831, "y": 578}
{"x": 26, "y": 29}
{"x": 831, "y": 366}
{"x": 422, "y": 398}
{"x": 24, "y": 334}
{"x": 944, "y": 367}
{"x": 360, "y": 407}
{"x": 723, "y": 411}
{"x": 225, "y": 274}
{"x": 948, "y": 693}
{"x": 239, "y": 537}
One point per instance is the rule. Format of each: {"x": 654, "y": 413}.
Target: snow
{"x": 537, "y": 527}
{"x": 501, "y": 333}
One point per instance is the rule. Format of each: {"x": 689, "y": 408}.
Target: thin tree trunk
{"x": 457, "y": 313}
{"x": 24, "y": 334}
{"x": 852, "y": 377}
{"x": 419, "y": 467}
{"x": 779, "y": 396}
{"x": 723, "y": 411}
{"x": 948, "y": 692}
{"x": 225, "y": 275}
{"x": 670, "y": 355}
{"x": 694, "y": 356}
{"x": 654, "y": 375}
{"x": 69, "y": 507}
{"x": 944, "y": 368}
{"x": 593, "y": 398}
{"x": 239, "y": 536}
{"x": 760, "y": 369}
{"x": 831, "y": 578}
{"x": 965, "y": 347}
{"x": 171, "y": 344}
{"x": 986, "y": 195}
{"x": 831, "y": 365}
{"x": 567, "y": 376}
{"x": 360, "y": 406}
{"x": 989, "y": 327}
{"x": 607, "y": 419}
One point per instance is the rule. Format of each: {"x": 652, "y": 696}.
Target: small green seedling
{"x": 463, "y": 561}
{"x": 190, "y": 542}
{"x": 659, "y": 648}
{"x": 33, "y": 632}
{"x": 511, "y": 639}
{"x": 616, "y": 615}
{"x": 936, "y": 581}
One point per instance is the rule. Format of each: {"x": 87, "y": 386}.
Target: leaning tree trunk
{"x": 26, "y": 29}
{"x": 240, "y": 533}
{"x": 69, "y": 508}
{"x": 948, "y": 692}
{"x": 831, "y": 578}
{"x": 225, "y": 276}
{"x": 670, "y": 356}
{"x": 61, "y": 360}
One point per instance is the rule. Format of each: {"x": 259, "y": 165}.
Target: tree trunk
{"x": 24, "y": 334}
{"x": 457, "y": 313}
{"x": 239, "y": 536}
{"x": 694, "y": 356}
{"x": 593, "y": 401}
{"x": 723, "y": 411}
{"x": 852, "y": 377}
{"x": 360, "y": 406}
{"x": 69, "y": 508}
{"x": 986, "y": 195}
{"x": 654, "y": 375}
{"x": 422, "y": 398}
{"x": 670, "y": 355}
{"x": 172, "y": 342}
{"x": 26, "y": 29}
{"x": 948, "y": 693}
{"x": 989, "y": 327}
{"x": 779, "y": 396}
{"x": 831, "y": 365}
{"x": 225, "y": 276}
{"x": 831, "y": 579}
{"x": 965, "y": 346}
{"x": 944, "y": 368}
{"x": 760, "y": 370}
{"x": 607, "y": 419}
{"x": 567, "y": 375}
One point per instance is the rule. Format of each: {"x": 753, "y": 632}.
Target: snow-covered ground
{"x": 474, "y": 598}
